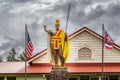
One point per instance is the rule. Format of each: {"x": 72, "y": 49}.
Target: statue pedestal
{"x": 58, "y": 74}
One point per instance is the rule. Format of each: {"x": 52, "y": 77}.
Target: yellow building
{"x": 84, "y": 61}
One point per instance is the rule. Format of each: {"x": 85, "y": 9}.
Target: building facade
{"x": 84, "y": 61}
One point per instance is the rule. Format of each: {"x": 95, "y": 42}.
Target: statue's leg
{"x": 54, "y": 54}
{"x": 56, "y": 58}
{"x": 61, "y": 56}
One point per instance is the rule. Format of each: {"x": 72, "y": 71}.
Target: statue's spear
{"x": 66, "y": 28}
{"x": 67, "y": 18}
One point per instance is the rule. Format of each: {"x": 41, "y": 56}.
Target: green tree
{"x": 11, "y": 55}
{"x": 1, "y": 59}
{"x": 22, "y": 57}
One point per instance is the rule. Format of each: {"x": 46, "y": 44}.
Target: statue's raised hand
{"x": 44, "y": 26}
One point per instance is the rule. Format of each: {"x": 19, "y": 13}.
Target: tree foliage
{"x": 1, "y": 59}
{"x": 11, "y": 55}
{"x": 22, "y": 57}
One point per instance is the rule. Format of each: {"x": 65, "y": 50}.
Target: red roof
{"x": 11, "y": 67}
{"x": 44, "y": 68}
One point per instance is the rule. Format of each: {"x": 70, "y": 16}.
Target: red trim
{"x": 56, "y": 44}
{"x": 40, "y": 68}
{"x": 59, "y": 33}
{"x": 55, "y": 38}
{"x": 83, "y": 29}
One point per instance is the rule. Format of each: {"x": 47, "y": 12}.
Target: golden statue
{"x": 58, "y": 45}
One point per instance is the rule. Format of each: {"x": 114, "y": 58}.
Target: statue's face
{"x": 57, "y": 26}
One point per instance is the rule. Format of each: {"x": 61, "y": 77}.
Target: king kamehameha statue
{"x": 58, "y": 49}
{"x": 58, "y": 45}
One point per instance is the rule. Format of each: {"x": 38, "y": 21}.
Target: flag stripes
{"x": 29, "y": 46}
{"x": 108, "y": 42}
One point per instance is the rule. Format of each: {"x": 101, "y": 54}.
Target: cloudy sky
{"x": 14, "y": 14}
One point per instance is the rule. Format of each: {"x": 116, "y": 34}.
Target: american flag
{"x": 108, "y": 42}
{"x": 29, "y": 46}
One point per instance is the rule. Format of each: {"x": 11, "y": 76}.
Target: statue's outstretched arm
{"x": 45, "y": 28}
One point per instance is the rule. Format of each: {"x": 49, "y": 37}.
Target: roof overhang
{"x": 72, "y": 68}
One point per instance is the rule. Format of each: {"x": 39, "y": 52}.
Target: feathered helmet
{"x": 57, "y": 22}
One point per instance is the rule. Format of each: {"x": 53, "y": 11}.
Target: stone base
{"x": 58, "y": 74}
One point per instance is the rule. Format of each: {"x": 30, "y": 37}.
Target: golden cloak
{"x": 60, "y": 36}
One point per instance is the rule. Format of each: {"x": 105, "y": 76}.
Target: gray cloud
{"x": 8, "y": 43}
{"x": 16, "y": 13}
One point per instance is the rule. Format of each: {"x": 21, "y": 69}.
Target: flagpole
{"x": 102, "y": 51}
{"x": 25, "y": 52}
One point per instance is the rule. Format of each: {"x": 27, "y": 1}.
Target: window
{"x": 114, "y": 77}
{"x": 1, "y": 78}
{"x": 84, "y": 77}
{"x": 11, "y": 78}
{"x": 95, "y": 78}
{"x": 85, "y": 54}
{"x": 72, "y": 78}
{"x": 105, "y": 78}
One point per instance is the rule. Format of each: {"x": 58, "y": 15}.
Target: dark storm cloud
{"x": 99, "y": 13}
{"x": 12, "y": 25}
{"x": 16, "y": 13}
{"x": 4, "y": 19}
{"x": 96, "y": 13}
{"x": 10, "y": 43}
{"x": 17, "y": 1}
{"x": 12, "y": 2}
{"x": 97, "y": 16}
{"x": 7, "y": 44}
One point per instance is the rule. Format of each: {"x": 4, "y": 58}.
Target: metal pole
{"x": 102, "y": 51}
{"x": 67, "y": 18}
{"x": 25, "y": 52}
